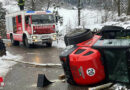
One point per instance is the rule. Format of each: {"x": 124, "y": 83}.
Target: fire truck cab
{"x": 31, "y": 27}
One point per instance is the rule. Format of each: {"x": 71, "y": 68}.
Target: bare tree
{"x": 118, "y": 7}
{"x": 79, "y": 12}
{"x": 2, "y": 21}
{"x": 128, "y": 10}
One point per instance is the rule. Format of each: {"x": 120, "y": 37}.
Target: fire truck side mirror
{"x": 27, "y": 19}
{"x": 59, "y": 19}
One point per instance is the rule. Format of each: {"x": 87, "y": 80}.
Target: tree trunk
{"x": 118, "y": 5}
{"x": 33, "y": 5}
{"x": 79, "y": 8}
{"x": 128, "y": 10}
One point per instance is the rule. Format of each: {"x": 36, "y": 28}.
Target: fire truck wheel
{"x": 2, "y": 48}
{"x": 14, "y": 43}
{"x": 49, "y": 44}
{"x": 25, "y": 42}
{"x": 77, "y": 36}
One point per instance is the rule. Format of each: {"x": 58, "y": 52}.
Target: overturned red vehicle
{"x": 91, "y": 59}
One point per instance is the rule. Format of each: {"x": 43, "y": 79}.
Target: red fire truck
{"x": 31, "y": 27}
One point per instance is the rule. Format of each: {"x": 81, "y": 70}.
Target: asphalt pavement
{"x": 24, "y": 76}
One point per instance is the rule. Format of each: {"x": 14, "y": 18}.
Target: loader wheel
{"x": 13, "y": 42}
{"x": 77, "y": 36}
{"x": 107, "y": 28}
{"x": 25, "y": 42}
{"x": 2, "y": 48}
{"x": 109, "y": 32}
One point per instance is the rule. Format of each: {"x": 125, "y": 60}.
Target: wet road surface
{"x": 24, "y": 76}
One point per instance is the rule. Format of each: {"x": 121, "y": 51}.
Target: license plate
{"x": 46, "y": 36}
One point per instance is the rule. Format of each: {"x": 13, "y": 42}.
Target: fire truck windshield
{"x": 43, "y": 19}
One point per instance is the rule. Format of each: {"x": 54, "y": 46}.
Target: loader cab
{"x": 115, "y": 57}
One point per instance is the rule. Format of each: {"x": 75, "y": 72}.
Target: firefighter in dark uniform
{"x": 21, "y": 4}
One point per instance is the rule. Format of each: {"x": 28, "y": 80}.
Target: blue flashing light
{"x": 30, "y": 12}
{"x": 47, "y": 11}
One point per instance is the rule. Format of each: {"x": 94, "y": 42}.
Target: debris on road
{"x": 43, "y": 81}
{"x": 118, "y": 87}
{"x": 100, "y": 87}
{"x": 61, "y": 77}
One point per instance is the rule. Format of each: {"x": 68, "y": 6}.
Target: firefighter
{"x": 21, "y": 4}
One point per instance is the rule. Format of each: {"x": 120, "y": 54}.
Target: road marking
{"x": 35, "y": 64}
{"x": 33, "y": 53}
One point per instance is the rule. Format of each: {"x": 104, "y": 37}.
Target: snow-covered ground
{"x": 59, "y": 43}
{"x": 5, "y": 65}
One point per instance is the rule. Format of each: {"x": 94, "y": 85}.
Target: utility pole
{"x": 119, "y": 8}
{"x": 128, "y": 10}
{"x": 79, "y": 11}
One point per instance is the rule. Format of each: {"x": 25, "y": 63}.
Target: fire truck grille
{"x": 42, "y": 30}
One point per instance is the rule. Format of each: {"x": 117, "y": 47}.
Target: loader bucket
{"x": 42, "y": 81}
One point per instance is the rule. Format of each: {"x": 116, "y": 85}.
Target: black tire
{"x": 77, "y": 36}
{"x": 25, "y": 42}
{"x": 109, "y": 32}
{"x": 13, "y": 42}
{"x": 109, "y": 28}
{"x": 49, "y": 44}
{"x": 2, "y": 48}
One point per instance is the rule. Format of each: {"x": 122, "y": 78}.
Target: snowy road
{"x": 24, "y": 76}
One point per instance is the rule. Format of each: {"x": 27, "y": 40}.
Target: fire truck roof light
{"x": 30, "y": 12}
{"x": 47, "y": 11}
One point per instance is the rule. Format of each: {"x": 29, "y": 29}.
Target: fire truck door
{"x": 19, "y": 24}
{"x": 14, "y": 25}
{"x": 28, "y": 24}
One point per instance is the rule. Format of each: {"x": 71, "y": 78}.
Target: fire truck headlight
{"x": 35, "y": 40}
{"x": 54, "y": 37}
{"x": 34, "y": 37}
{"x": 2, "y": 84}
